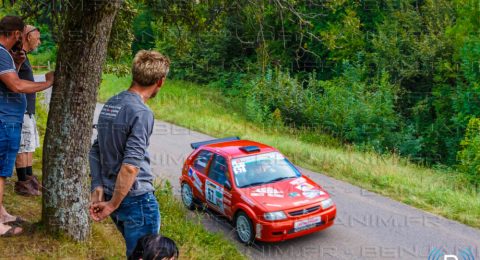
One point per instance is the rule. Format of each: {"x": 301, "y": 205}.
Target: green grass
{"x": 35, "y": 243}
{"x": 183, "y": 226}
{"x": 42, "y": 59}
{"x": 187, "y": 230}
{"x": 206, "y": 110}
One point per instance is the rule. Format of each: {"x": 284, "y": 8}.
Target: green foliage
{"x": 396, "y": 75}
{"x": 43, "y": 58}
{"x": 119, "y": 69}
{"x": 407, "y": 51}
{"x": 469, "y": 155}
{"x": 276, "y": 97}
{"x": 197, "y": 58}
{"x": 357, "y": 110}
{"x": 348, "y": 107}
{"x": 121, "y": 35}
{"x": 143, "y": 32}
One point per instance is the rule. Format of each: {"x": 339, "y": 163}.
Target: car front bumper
{"x": 269, "y": 231}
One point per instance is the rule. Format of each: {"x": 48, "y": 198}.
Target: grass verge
{"x": 207, "y": 110}
{"x": 184, "y": 227}
{"x": 194, "y": 241}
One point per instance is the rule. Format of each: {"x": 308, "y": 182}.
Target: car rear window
{"x": 201, "y": 161}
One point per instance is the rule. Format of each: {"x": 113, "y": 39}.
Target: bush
{"x": 277, "y": 97}
{"x": 349, "y": 107}
{"x": 357, "y": 110}
{"x": 469, "y": 155}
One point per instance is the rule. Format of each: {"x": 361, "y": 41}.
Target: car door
{"x": 198, "y": 172}
{"x": 217, "y": 189}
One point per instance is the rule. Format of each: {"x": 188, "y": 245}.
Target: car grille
{"x": 303, "y": 211}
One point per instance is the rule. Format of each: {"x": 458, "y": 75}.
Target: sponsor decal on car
{"x": 305, "y": 186}
{"x": 227, "y": 201}
{"x": 293, "y": 194}
{"x": 273, "y": 205}
{"x": 298, "y": 181}
{"x": 247, "y": 200}
{"x": 259, "y": 157}
{"x": 196, "y": 182}
{"x": 313, "y": 193}
{"x": 267, "y": 191}
{"x": 190, "y": 172}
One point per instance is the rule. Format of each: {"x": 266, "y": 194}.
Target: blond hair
{"x": 149, "y": 67}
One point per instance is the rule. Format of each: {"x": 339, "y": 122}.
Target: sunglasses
{"x": 32, "y": 30}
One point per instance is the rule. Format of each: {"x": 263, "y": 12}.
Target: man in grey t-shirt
{"x": 122, "y": 181}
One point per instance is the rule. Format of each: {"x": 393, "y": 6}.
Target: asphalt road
{"x": 368, "y": 226}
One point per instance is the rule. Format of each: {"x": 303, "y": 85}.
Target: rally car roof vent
{"x": 250, "y": 149}
{"x": 214, "y": 141}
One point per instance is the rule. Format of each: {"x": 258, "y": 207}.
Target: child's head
{"x": 155, "y": 247}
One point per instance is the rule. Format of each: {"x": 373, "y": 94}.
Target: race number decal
{"x": 238, "y": 167}
{"x": 214, "y": 194}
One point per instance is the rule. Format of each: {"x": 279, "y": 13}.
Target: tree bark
{"x": 81, "y": 54}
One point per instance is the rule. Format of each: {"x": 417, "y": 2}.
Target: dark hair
{"x": 154, "y": 247}
{"x": 10, "y": 23}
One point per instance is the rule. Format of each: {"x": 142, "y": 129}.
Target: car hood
{"x": 286, "y": 194}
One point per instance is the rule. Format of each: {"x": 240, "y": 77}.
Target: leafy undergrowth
{"x": 207, "y": 110}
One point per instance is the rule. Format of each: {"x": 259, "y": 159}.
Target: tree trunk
{"x": 81, "y": 54}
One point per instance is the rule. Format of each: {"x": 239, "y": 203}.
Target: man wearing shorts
{"x": 27, "y": 184}
{"x": 12, "y": 108}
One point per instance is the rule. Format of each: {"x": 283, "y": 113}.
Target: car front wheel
{"x": 244, "y": 228}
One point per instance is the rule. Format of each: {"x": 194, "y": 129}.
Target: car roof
{"x": 232, "y": 148}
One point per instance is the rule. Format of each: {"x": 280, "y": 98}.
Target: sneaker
{"x": 25, "y": 188}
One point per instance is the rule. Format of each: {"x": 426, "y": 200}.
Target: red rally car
{"x": 264, "y": 195}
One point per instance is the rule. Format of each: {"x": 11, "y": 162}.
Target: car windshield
{"x": 261, "y": 169}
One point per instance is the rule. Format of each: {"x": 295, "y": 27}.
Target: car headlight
{"x": 277, "y": 215}
{"x": 326, "y": 203}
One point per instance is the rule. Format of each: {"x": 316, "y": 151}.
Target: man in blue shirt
{"x": 12, "y": 108}
{"x": 122, "y": 180}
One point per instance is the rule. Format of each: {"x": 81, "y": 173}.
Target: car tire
{"x": 244, "y": 228}
{"x": 187, "y": 196}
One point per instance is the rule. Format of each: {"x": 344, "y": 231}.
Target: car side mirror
{"x": 227, "y": 185}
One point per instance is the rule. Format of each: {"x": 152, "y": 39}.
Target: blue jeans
{"x": 9, "y": 144}
{"x": 136, "y": 217}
